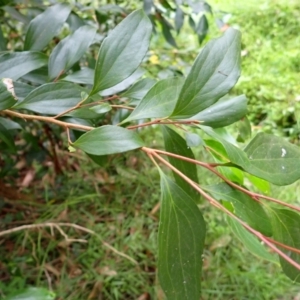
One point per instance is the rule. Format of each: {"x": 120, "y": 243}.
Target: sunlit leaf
{"x": 214, "y": 72}
{"x": 180, "y": 243}
{"x": 107, "y": 140}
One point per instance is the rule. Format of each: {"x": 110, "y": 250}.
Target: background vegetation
{"x": 120, "y": 201}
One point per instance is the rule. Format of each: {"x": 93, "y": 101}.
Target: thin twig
{"x": 58, "y": 225}
{"x": 46, "y": 119}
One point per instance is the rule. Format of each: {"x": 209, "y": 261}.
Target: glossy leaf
{"x": 245, "y": 207}
{"x": 286, "y": 228}
{"x": 244, "y": 130}
{"x": 74, "y": 21}
{"x": 273, "y": 159}
{"x": 123, "y": 85}
{"x": 7, "y": 138}
{"x": 7, "y": 99}
{"x": 160, "y": 100}
{"x": 69, "y": 50}
{"x": 138, "y": 91}
{"x": 122, "y": 51}
{"x": 250, "y": 242}
{"x": 52, "y": 98}
{"x": 176, "y": 144}
{"x": 84, "y": 76}
{"x": 180, "y": 243}
{"x": 16, "y": 64}
{"x": 45, "y": 26}
{"x": 224, "y": 112}
{"x": 107, "y": 140}
{"x": 33, "y": 293}
{"x": 214, "y": 72}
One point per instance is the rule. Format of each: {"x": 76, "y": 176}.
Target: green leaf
{"x": 250, "y": 242}
{"x": 179, "y": 18}
{"x": 33, "y": 293}
{"x": 9, "y": 124}
{"x": 22, "y": 89}
{"x": 273, "y": 159}
{"x": 147, "y": 5}
{"x": 286, "y": 228}
{"x": 138, "y": 91}
{"x": 235, "y": 154}
{"x": 193, "y": 140}
{"x": 202, "y": 28}
{"x": 84, "y": 76}
{"x": 7, "y": 138}
{"x": 75, "y": 21}
{"x": 123, "y": 85}
{"x": 100, "y": 109}
{"x": 52, "y": 98}
{"x": 39, "y": 76}
{"x": 166, "y": 30}
{"x": 160, "y": 100}
{"x": 107, "y": 140}
{"x": 176, "y": 144}
{"x": 122, "y": 51}
{"x": 16, "y": 64}
{"x": 45, "y": 26}
{"x": 3, "y": 41}
{"x": 69, "y": 50}
{"x": 244, "y": 130}
{"x": 15, "y": 14}
{"x": 180, "y": 243}
{"x": 7, "y": 99}
{"x": 214, "y": 72}
{"x": 245, "y": 207}
{"x": 223, "y": 112}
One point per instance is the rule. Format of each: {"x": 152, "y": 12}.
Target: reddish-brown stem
{"x": 284, "y": 246}
{"x": 210, "y": 166}
{"x": 218, "y": 205}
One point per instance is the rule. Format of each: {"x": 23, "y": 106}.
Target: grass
{"x": 119, "y": 202}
